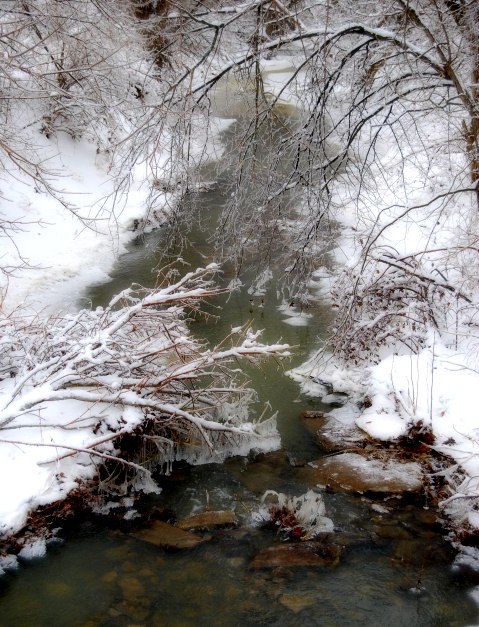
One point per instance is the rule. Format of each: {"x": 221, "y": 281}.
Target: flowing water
{"x": 101, "y": 574}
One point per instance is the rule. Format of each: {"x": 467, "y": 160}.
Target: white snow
{"x": 437, "y": 388}
{"x": 8, "y": 562}
{"x": 379, "y": 508}
{"x": 308, "y": 509}
{"x": 65, "y": 254}
{"x": 294, "y": 316}
{"x": 57, "y": 253}
{"x": 34, "y": 550}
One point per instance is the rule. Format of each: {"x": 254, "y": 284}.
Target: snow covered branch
{"x": 86, "y": 383}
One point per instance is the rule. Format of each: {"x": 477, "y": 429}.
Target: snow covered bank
{"x": 70, "y": 386}
{"x": 56, "y": 251}
{"x": 435, "y": 391}
{"x": 81, "y": 385}
{"x": 404, "y": 346}
{"x": 56, "y": 246}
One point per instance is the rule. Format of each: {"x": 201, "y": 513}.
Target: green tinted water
{"x": 105, "y": 577}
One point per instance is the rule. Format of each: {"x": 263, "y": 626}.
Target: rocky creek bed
{"x": 154, "y": 565}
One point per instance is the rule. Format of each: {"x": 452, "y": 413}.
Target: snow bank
{"x": 32, "y": 480}
{"x": 435, "y": 388}
{"x": 438, "y": 389}
{"x": 58, "y": 251}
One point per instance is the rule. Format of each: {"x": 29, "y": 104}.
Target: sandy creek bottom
{"x": 101, "y": 576}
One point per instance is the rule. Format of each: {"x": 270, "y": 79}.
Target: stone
{"x": 58, "y": 589}
{"x": 331, "y": 432}
{"x": 109, "y": 577}
{"x": 296, "y": 602}
{"x": 137, "y": 610}
{"x": 118, "y": 553}
{"x": 393, "y": 532}
{"x": 313, "y": 420}
{"x": 145, "y": 573}
{"x": 236, "y": 562}
{"x": 351, "y": 472}
{"x": 297, "y": 555}
{"x": 265, "y": 472}
{"x": 129, "y": 567}
{"x": 167, "y": 536}
{"x": 208, "y": 520}
{"x": 131, "y": 587}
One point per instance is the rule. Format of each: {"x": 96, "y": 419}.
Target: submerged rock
{"x": 208, "y": 520}
{"x": 131, "y": 587}
{"x": 167, "y": 536}
{"x": 352, "y": 472}
{"x": 296, "y": 602}
{"x": 265, "y": 472}
{"x": 294, "y": 555}
{"x": 109, "y": 577}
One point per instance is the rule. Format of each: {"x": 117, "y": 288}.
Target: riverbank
{"x": 402, "y": 354}
{"x": 143, "y": 568}
{"x": 62, "y": 244}
{"x": 55, "y": 253}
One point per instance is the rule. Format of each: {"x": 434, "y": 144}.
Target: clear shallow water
{"x": 104, "y": 576}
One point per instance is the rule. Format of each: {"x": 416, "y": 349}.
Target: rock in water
{"x": 167, "y": 536}
{"x": 131, "y": 587}
{"x": 208, "y": 520}
{"x": 352, "y": 472}
{"x": 297, "y": 555}
{"x": 335, "y": 431}
{"x": 296, "y": 602}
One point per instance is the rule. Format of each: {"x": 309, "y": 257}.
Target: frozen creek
{"x": 101, "y": 574}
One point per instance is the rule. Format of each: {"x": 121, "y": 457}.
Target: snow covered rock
{"x": 332, "y": 433}
{"x": 352, "y": 472}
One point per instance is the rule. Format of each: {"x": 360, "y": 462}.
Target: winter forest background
{"x": 356, "y": 170}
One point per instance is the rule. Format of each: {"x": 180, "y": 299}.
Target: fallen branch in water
{"x": 120, "y": 383}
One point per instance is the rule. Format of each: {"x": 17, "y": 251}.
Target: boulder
{"x": 208, "y": 520}
{"x": 351, "y": 472}
{"x": 297, "y": 555}
{"x": 167, "y": 536}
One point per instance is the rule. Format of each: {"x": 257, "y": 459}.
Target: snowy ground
{"x": 63, "y": 252}
{"x": 61, "y": 255}
{"x": 439, "y": 387}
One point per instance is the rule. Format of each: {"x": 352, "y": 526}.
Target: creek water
{"x": 100, "y": 574}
